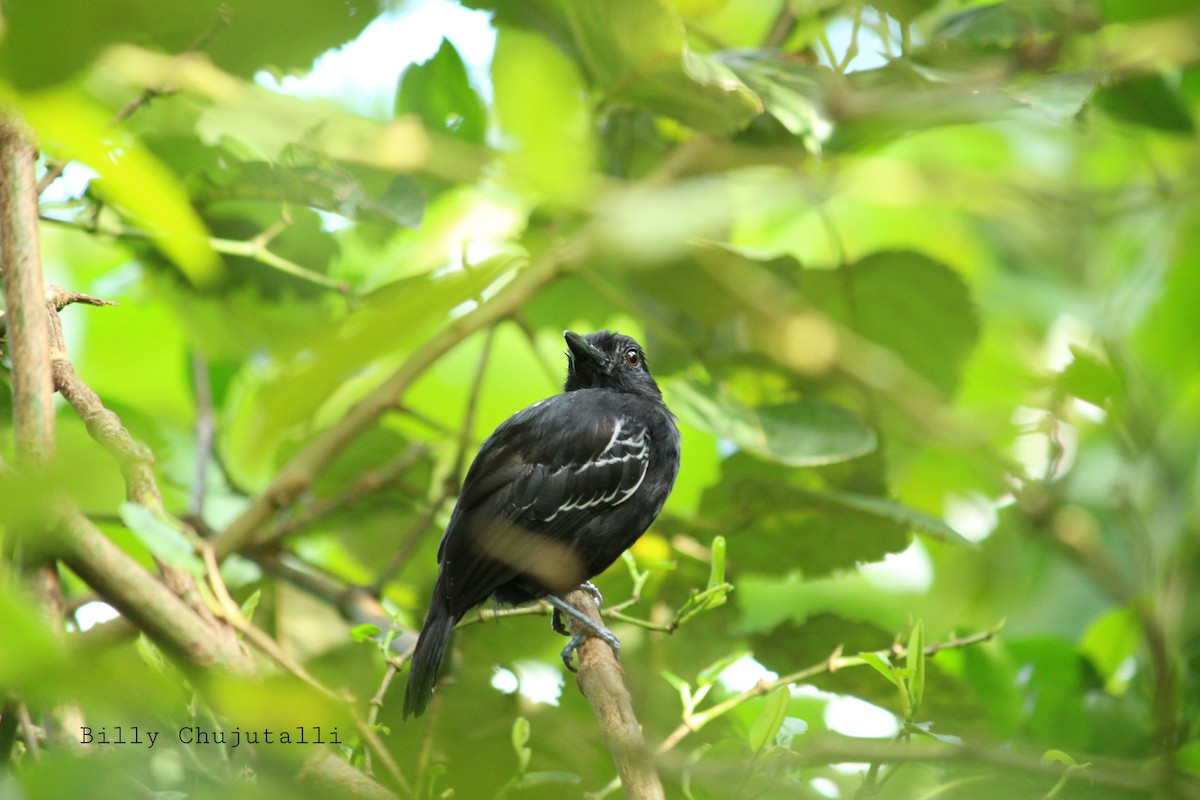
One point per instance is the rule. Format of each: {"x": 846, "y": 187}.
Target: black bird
{"x": 554, "y": 497}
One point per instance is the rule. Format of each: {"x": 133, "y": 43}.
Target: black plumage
{"x": 554, "y": 496}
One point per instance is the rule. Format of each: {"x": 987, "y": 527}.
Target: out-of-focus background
{"x": 919, "y": 278}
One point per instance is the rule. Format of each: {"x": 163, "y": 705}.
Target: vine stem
{"x": 835, "y": 662}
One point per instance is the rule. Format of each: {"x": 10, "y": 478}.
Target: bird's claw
{"x": 591, "y": 589}
{"x": 609, "y": 638}
{"x": 556, "y": 620}
{"x": 590, "y": 627}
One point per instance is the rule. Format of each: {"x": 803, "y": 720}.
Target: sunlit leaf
{"x": 71, "y": 126}
{"x": 770, "y": 719}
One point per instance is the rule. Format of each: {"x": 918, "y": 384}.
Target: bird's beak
{"x": 582, "y": 350}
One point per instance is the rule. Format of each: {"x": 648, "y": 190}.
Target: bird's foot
{"x": 610, "y": 638}
{"x": 556, "y": 620}
{"x": 591, "y": 628}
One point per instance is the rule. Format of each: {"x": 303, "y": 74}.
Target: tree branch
{"x": 602, "y": 682}
{"x": 141, "y": 597}
{"x": 28, "y": 328}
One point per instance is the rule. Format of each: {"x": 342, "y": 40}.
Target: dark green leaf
{"x": 327, "y": 188}
{"x": 241, "y": 36}
{"x": 802, "y": 433}
{"x": 439, "y": 92}
{"x": 1147, "y": 100}
{"x": 916, "y": 307}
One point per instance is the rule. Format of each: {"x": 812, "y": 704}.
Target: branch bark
{"x": 602, "y": 681}
{"x": 25, "y": 305}
{"x": 143, "y": 598}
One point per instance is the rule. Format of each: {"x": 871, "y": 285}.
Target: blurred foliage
{"x": 910, "y": 272}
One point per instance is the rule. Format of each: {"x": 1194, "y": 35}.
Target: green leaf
{"x": 268, "y": 402}
{"x": 926, "y": 729}
{"x": 635, "y": 53}
{"x": 70, "y": 126}
{"x": 162, "y": 537}
{"x": 241, "y": 36}
{"x": 1058, "y": 757}
{"x": 801, "y": 433}
{"x": 532, "y": 780}
{"x": 249, "y": 605}
{"x": 324, "y": 187}
{"x": 1089, "y": 378}
{"x": 880, "y": 507}
{"x": 917, "y": 307}
{"x": 551, "y": 143}
{"x": 716, "y": 574}
{"x": 904, "y": 10}
{"x": 770, "y": 719}
{"x": 1109, "y": 642}
{"x": 439, "y": 92}
{"x": 915, "y": 661}
{"x": 1000, "y": 25}
{"x": 361, "y": 633}
{"x": 792, "y": 93}
{"x": 1147, "y": 100}
{"x": 883, "y": 667}
{"x": 1059, "y": 95}
{"x": 28, "y": 649}
{"x": 521, "y": 731}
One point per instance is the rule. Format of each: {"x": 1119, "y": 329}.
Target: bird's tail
{"x": 427, "y": 655}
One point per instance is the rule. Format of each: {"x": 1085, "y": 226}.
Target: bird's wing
{"x": 533, "y": 483}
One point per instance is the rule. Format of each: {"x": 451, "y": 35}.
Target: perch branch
{"x": 602, "y": 682}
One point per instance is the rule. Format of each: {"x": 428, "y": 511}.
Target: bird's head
{"x": 607, "y": 360}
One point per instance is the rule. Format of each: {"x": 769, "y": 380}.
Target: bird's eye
{"x": 632, "y": 357}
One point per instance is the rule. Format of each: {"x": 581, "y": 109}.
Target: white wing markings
{"x": 635, "y": 448}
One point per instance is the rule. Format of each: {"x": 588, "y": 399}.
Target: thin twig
{"x": 376, "y": 705}
{"x": 205, "y": 434}
{"x": 367, "y": 484}
{"x": 269, "y": 647}
{"x": 694, "y": 722}
{"x": 258, "y": 251}
{"x": 136, "y": 460}
{"x": 410, "y": 540}
{"x": 251, "y": 249}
